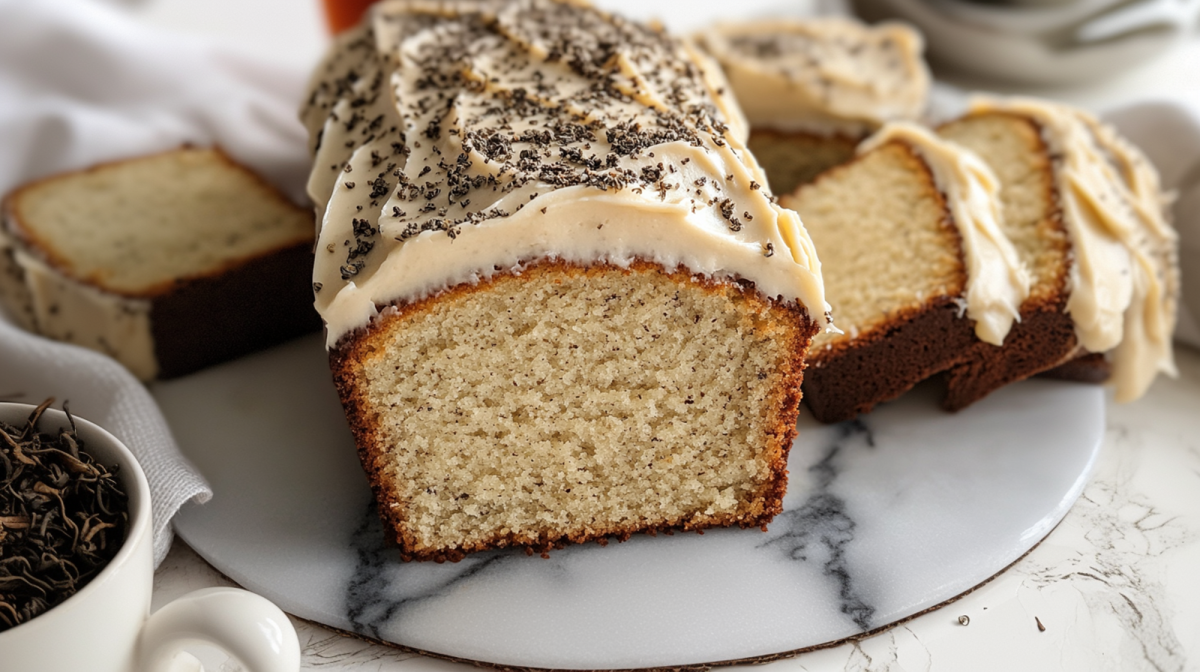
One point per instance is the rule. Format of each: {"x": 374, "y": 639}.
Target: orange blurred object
{"x": 343, "y": 14}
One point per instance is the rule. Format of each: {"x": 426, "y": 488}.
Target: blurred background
{"x": 1093, "y": 53}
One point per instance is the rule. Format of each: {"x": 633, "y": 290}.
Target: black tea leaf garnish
{"x": 63, "y": 517}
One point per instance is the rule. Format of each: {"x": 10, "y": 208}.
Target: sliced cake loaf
{"x": 168, "y": 263}
{"x": 915, "y": 265}
{"x": 1086, "y": 213}
{"x": 561, "y": 304}
{"x": 812, "y": 89}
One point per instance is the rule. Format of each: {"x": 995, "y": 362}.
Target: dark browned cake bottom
{"x": 1042, "y": 339}
{"x": 1092, "y": 367}
{"x": 204, "y": 321}
{"x": 882, "y": 365}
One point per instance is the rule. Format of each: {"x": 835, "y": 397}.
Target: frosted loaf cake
{"x": 561, "y": 303}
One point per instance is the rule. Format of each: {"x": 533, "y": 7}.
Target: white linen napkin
{"x": 81, "y": 83}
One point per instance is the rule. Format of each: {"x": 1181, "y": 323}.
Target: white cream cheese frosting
{"x": 454, "y": 140}
{"x": 42, "y": 299}
{"x": 828, "y": 76}
{"x": 73, "y": 312}
{"x": 14, "y": 295}
{"x": 1124, "y": 276}
{"x": 997, "y": 282}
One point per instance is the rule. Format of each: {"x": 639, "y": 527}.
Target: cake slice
{"x": 572, "y": 402}
{"x": 168, "y": 263}
{"x": 561, "y": 303}
{"x": 915, "y": 266}
{"x": 1087, "y": 216}
{"x": 1013, "y": 148}
{"x": 813, "y": 89}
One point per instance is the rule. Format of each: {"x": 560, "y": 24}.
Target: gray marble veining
{"x": 819, "y": 530}
{"x": 884, "y": 517}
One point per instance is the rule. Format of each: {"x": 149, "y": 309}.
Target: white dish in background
{"x": 1073, "y": 43}
{"x": 885, "y": 517}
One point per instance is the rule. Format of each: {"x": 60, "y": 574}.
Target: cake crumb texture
{"x": 887, "y": 244}
{"x": 569, "y": 403}
{"x": 137, "y": 227}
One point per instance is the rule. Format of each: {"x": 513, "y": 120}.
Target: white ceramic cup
{"x": 107, "y": 626}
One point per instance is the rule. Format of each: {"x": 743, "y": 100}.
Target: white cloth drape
{"x": 80, "y": 83}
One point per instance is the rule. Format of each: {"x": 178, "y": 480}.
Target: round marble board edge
{"x": 885, "y": 517}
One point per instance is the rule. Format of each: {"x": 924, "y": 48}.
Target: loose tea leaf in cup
{"x": 63, "y": 517}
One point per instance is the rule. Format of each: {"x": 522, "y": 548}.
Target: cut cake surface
{"x": 566, "y": 404}
{"x": 894, "y": 273}
{"x": 168, "y": 262}
{"x": 138, "y": 227}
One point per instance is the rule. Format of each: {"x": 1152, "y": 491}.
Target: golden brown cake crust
{"x": 793, "y": 325}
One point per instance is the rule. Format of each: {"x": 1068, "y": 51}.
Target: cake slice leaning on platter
{"x": 916, "y": 267}
{"x": 561, "y": 303}
{"x": 1088, "y": 217}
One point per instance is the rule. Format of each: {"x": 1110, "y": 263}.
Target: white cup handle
{"x": 246, "y": 626}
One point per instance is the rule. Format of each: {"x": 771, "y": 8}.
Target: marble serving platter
{"x": 885, "y": 517}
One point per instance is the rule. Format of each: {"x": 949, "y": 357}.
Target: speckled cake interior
{"x": 567, "y": 404}
{"x": 869, "y": 283}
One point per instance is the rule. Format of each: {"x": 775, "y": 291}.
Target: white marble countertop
{"x": 1114, "y": 587}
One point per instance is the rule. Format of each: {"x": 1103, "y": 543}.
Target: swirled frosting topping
{"x": 827, "y": 76}
{"x": 1124, "y": 276}
{"x": 997, "y": 282}
{"x": 453, "y": 140}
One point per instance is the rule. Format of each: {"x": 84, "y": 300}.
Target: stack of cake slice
{"x": 1080, "y": 208}
{"x": 813, "y": 89}
{"x": 916, "y": 268}
{"x": 1085, "y": 211}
